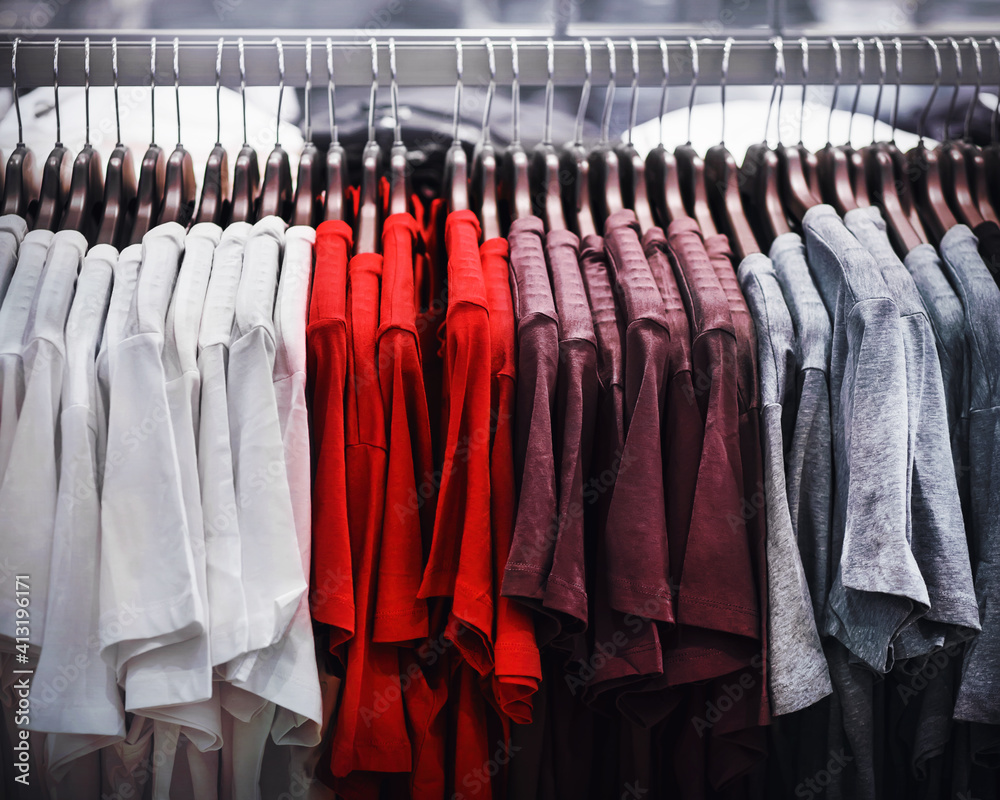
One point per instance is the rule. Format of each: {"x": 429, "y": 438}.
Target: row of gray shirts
{"x": 880, "y": 406}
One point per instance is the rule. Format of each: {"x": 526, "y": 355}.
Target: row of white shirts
{"x": 155, "y": 484}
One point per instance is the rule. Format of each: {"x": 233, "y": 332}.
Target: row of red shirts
{"x": 535, "y": 443}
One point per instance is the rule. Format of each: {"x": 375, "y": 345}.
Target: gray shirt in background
{"x": 797, "y": 674}
{"x": 936, "y": 527}
{"x": 978, "y": 699}
{"x": 877, "y": 588}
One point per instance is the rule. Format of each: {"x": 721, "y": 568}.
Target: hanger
{"x": 214, "y": 203}
{"x": 20, "y": 188}
{"x": 662, "y": 186}
{"x": 334, "y": 203}
{"x": 991, "y": 153}
{"x": 119, "y": 185}
{"x": 366, "y": 234}
{"x": 881, "y": 176}
{"x": 974, "y": 163}
{"x": 573, "y": 162}
{"x": 722, "y": 180}
{"x": 246, "y": 171}
{"x": 515, "y": 184}
{"x": 806, "y": 156}
{"x": 152, "y": 169}
{"x": 179, "y": 188}
{"x": 690, "y": 167}
{"x": 855, "y": 163}
{"x": 796, "y": 193}
{"x": 86, "y": 191}
{"x": 760, "y": 185}
{"x": 399, "y": 170}
{"x": 544, "y": 171}
{"x": 276, "y": 188}
{"x": 924, "y": 168}
{"x": 309, "y": 181}
{"x": 954, "y": 176}
{"x": 484, "y": 160}
{"x": 633, "y": 169}
{"x": 832, "y": 168}
{"x": 605, "y": 179}
{"x": 57, "y": 168}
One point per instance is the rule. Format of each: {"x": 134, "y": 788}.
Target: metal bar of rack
{"x": 429, "y": 59}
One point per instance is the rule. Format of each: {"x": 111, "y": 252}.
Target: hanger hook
{"x": 996, "y": 108}
{"x": 218, "y": 92}
{"x": 394, "y": 94}
{"x": 665, "y": 81}
{"x": 374, "y": 90}
{"x": 958, "y": 79}
{"x": 309, "y": 84}
{"x": 897, "y": 43}
{"x": 837, "y": 71}
{"x": 86, "y": 90}
{"x": 588, "y": 71}
{"x": 334, "y": 137}
{"x": 459, "y": 73}
{"x": 17, "y": 102}
{"x": 609, "y": 95}
{"x": 922, "y": 127}
{"x": 491, "y": 61}
{"x": 281, "y": 88}
{"x": 727, "y": 50}
{"x": 633, "y": 104}
{"x": 550, "y": 66}
{"x": 114, "y": 78}
{"x": 880, "y": 47}
{"x": 967, "y": 131}
{"x": 804, "y": 44}
{"x": 55, "y": 87}
{"x": 515, "y": 91}
{"x": 243, "y": 86}
{"x": 695, "y": 69}
{"x": 779, "y": 77}
{"x": 177, "y": 84}
{"x": 860, "y": 44}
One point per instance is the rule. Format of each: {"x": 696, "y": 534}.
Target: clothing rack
{"x": 429, "y": 59}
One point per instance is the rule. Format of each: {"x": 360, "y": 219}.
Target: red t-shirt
{"x": 517, "y": 665}
{"x": 332, "y": 586}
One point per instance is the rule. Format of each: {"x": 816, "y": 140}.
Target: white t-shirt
{"x": 228, "y": 612}
{"x": 13, "y": 320}
{"x": 12, "y": 231}
{"x": 29, "y": 487}
{"x": 273, "y": 578}
{"x": 73, "y": 691}
{"x": 147, "y": 567}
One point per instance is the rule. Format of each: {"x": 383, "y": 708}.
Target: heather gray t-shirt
{"x": 937, "y": 529}
{"x": 809, "y": 457}
{"x": 978, "y": 699}
{"x": 877, "y": 588}
{"x": 797, "y": 674}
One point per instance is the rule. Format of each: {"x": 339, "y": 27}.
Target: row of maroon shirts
{"x": 536, "y": 443}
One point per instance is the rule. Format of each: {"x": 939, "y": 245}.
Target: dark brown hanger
{"x": 119, "y": 184}
{"x": 514, "y": 180}
{"x": 633, "y": 168}
{"x": 604, "y": 174}
{"x": 214, "y": 203}
{"x": 399, "y": 168}
{"x": 722, "y": 179}
{"x": 954, "y": 174}
{"x": 662, "y": 185}
{"x": 924, "y": 168}
{"x": 152, "y": 169}
{"x": 484, "y": 161}
{"x": 179, "y": 184}
{"x": 20, "y": 188}
{"x": 573, "y": 162}
{"x": 276, "y": 189}
{"x": 309, "y": 181}
{"x": 833, "y": 169}
{"x": 86, "y": 191}
{"x": 796, "y": 192}
{"x": 57, "y": 169}
{"x": 881, "y": 177}
{"x": 690, "y": 167}
{"x": 335, "y": 204}
{"x": 246, "y": 169}
{"x": 974, "y": 160}
{"x": 544, "y": 169}
{"x": 366, "y": 235}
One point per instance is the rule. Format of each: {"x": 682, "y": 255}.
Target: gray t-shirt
{"x": 797, "y": 674}
{"x": 936, "y": 526}
{"x": 978, "y": 699}
{"x": 877, "y": 588}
